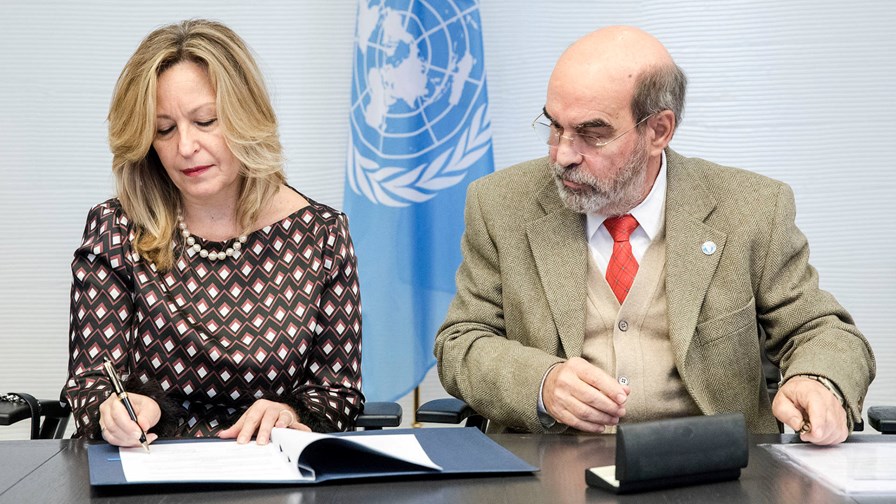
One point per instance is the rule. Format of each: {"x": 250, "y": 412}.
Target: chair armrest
{"x": 377, "y": 415}
{"x": 450, "y": 410}
{"x": 12, "y": 412}
{"x": 55, "y": 415}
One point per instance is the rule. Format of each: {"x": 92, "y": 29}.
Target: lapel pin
{"x": 708, "y": 248}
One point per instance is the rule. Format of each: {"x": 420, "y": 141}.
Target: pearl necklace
{"x": 232, "y": 251}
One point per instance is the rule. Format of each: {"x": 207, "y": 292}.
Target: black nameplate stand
{"x": 883, "y": 418}
{"x": 675, "y": 452}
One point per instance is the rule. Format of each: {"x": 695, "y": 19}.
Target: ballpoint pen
{"x": 123, "y": 396}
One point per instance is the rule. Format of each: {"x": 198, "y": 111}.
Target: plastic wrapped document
{"x": 851, "y": 467}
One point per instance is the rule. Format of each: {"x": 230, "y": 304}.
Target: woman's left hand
{"x": 259, "y": 419}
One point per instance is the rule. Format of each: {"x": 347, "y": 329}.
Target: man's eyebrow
{"x": 593, "y": 123}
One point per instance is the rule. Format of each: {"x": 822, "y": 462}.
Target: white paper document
{"x": 280, "y": 460}
{"x": 207, "y": 461}
{"x": 848, "y": 467}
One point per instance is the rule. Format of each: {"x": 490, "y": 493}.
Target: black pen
{"x": 123, "y": 396}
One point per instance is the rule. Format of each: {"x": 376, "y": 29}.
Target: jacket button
{"x": 623, "y": 325}
{"x": 623, "y": 380}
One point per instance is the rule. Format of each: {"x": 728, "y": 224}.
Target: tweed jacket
{"x": 521, "y": 290}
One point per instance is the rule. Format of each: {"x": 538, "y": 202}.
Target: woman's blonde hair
{"x": 247, "y": 120}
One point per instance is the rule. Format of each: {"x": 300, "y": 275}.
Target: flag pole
{"x": 416, "y": 424}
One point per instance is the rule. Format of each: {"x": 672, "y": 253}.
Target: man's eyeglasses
{"x": 584, "y": 144}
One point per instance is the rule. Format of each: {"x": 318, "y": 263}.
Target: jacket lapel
{"x": 560, "y": 250}
{"x": 690, "y": 269}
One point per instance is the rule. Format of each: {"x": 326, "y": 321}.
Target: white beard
{"x": 606, "y": 197}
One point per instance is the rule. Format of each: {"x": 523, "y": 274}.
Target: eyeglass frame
{"x": 597, "y": 146}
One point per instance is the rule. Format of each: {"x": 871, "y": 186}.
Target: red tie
{"x": 623, "y": 266}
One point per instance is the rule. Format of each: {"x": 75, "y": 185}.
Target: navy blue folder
{"x": 459, "y": 451}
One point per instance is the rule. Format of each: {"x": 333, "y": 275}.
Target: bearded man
{"x": 618, "y": 281}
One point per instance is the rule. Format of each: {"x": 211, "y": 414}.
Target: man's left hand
{"x": 803, "y": 399}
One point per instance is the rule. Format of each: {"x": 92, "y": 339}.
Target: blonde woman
{"x": 228, "y": 299}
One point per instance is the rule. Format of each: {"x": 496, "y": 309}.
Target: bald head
{"x": 607, "y": 69}
{"x": 622, "y": 49}
{"x": 618, "y": 90}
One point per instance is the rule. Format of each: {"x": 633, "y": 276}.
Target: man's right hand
{"x": 583, "y": 396}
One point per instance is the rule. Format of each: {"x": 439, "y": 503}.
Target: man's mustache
{"x": 572, "y": 173}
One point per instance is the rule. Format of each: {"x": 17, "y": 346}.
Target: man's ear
{"x": 663, "y": 126}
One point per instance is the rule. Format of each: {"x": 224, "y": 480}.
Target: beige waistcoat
{"x": 631, "y": 341}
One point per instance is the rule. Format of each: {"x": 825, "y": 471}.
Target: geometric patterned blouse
{"x": 208, "y": 338}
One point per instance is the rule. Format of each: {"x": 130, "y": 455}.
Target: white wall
{"x": 797, "y": 90}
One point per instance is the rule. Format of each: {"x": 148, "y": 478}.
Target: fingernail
{"x": 621, "y": 398}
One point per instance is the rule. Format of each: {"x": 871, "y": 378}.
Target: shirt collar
{"x": 649, "y": 213}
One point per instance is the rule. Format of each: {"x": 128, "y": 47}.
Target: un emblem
{"x": 419, "y": 111}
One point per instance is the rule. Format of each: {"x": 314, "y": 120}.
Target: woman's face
{"x": 189, "y": 140}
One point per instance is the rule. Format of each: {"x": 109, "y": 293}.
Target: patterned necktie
{"x": 623, "y": 266}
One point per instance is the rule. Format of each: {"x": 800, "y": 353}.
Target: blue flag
{"x": 420, "y": 132}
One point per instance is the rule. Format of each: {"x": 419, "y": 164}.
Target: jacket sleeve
{"x": 498, "y": 376}
{"x": 809, "y": 332}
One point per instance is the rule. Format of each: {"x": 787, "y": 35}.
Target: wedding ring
{"x": 805, "y": 428}
{"x": 292, "y": 418}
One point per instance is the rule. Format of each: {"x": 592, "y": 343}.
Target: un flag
{"x": 420, "y": 133}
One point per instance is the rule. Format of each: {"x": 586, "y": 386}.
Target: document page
{"x": 847, "y": 467}
{"x": 221, "y": 461}
{"x": 191, "y": 461}
{"x": 398, "y": 446}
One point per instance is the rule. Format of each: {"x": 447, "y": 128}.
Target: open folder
{"x": 297, "y": 457}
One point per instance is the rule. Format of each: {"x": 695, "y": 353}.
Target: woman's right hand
{"x": 116, "y": 425}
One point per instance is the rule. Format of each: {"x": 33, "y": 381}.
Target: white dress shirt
{"x": 649, "y": 214}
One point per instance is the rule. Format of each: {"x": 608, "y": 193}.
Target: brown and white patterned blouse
{"x": 282, "y": 321}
